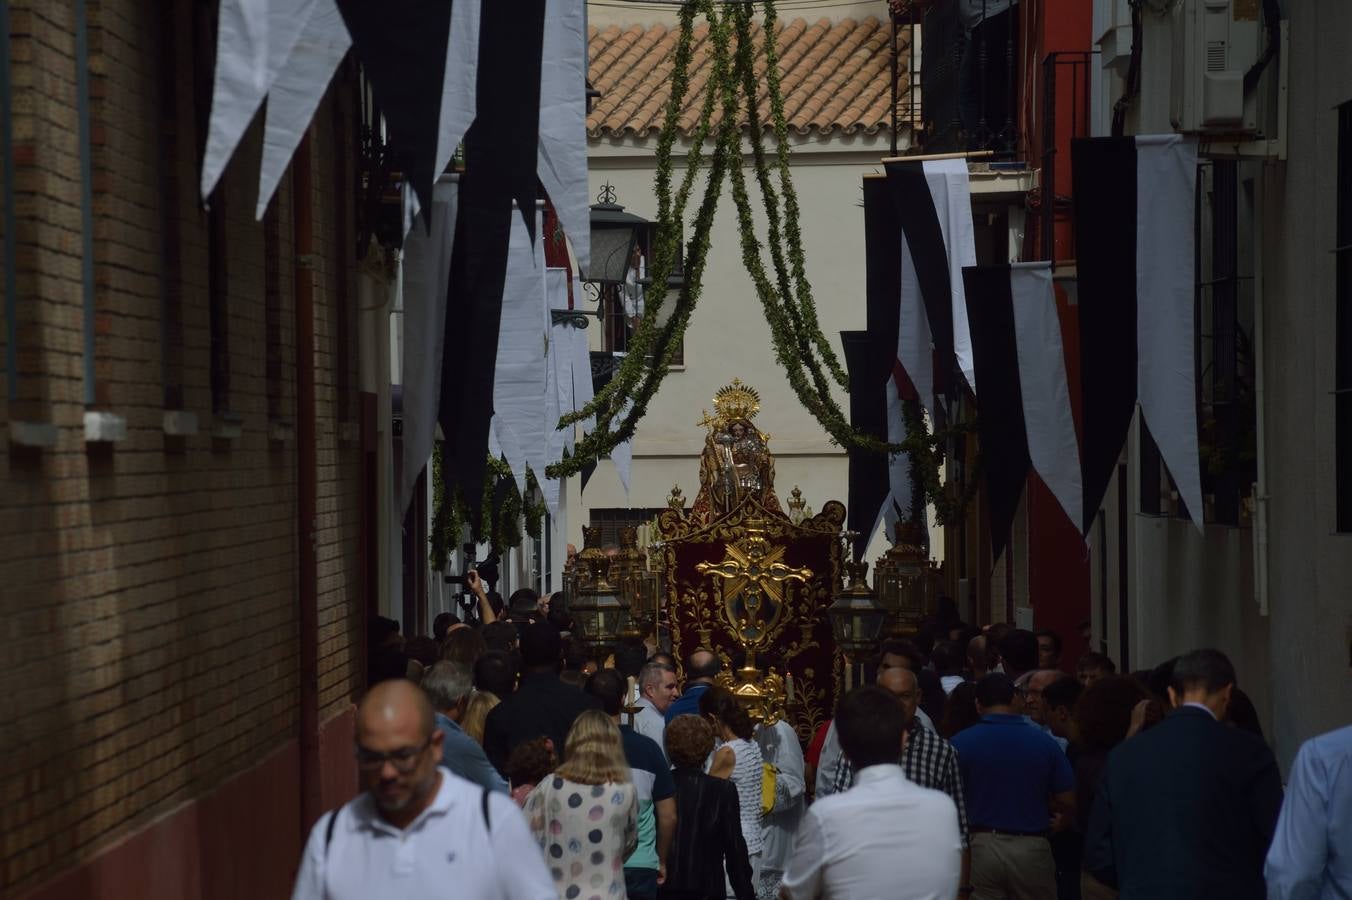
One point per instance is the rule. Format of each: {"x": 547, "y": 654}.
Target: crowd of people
{"x": 502, "y": 760}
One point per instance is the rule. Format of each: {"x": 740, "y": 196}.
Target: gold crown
{"x": 737, "y": 401}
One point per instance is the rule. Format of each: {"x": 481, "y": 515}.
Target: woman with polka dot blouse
{"x": 585, "y": 815}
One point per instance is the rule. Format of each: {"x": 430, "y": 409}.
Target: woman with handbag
{"x": 739, "y": 760}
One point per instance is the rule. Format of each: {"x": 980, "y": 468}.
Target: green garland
{"x": 800, "y": 346}
{"x": 500, "y": 532}
{"x": 926, "y": 452}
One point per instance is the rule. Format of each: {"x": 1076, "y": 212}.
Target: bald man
{"x": 701, "y": 669}
{"x": 926, "y": 758}
{"x": 417, "y": 829}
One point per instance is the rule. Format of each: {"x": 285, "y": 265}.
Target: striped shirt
{"x": 747, "y": 772}
{"x": 929, "y": 761}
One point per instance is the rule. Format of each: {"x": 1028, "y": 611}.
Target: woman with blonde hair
{"x": 585, "y": 815}
{"x": 476, "y": 714}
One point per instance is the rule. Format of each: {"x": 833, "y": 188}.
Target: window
{"x": 273, "y": 319}
{"x": 218, "y": 278}
{"x": 1342, "y": 448}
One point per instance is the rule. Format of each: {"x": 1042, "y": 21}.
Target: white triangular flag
{"x": 562, "y": 165}
{"x": 243, "y": 29}
{"x": 296, "y": 91}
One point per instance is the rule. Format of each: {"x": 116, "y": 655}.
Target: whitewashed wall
{"x": 728, "y": 336}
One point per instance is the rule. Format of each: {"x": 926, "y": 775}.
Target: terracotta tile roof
{"x": 834, "y": 75}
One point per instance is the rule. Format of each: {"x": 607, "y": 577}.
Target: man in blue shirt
{"x": 646, "y": 867}
{"x": 448, "y": 686}
{"x": 700, "y": 670}
{"x": 1013, "y": 776}
{"x": 1311, "y": 853}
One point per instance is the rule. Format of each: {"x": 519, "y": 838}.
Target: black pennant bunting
{"x": 402, "y": 46}
{"x": 1106, "y": 262}
{"x": 914, "y": 208}
{"x": 868, "y": 414}
{"x": 502, "y": 146}
{"x": 1000, "y": 426}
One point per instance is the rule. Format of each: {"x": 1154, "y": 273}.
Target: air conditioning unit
{"x": 1215, "y": 42}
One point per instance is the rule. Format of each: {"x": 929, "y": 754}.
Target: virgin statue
{"x": 736, "y": 462}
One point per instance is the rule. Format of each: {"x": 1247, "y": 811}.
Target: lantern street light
{"x": 614, "y": 235}
{"x": 856, "y": 618}
{"x": 905, "y": 576}
{"x": 599, "y": 610}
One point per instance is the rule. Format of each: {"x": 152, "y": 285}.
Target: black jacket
{"x": 542, "y": 706}
{"x": 1185, "y": 810}
{"x": 708, "y": 831}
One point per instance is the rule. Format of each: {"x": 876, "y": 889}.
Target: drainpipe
{"x": 11, "y": 239}
{"x": 86, "y": 199}
{"x": 302, "y": 198}
{"x": 1260, "y": 494}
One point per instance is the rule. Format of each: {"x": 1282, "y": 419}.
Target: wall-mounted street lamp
{"x": 614, "y": 235}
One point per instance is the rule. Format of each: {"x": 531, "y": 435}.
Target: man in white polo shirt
{"x": 418, "y": 831}
{"x": 886, "y": 836}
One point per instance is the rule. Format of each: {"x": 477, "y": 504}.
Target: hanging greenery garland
{"x": 733, "y": 91}
{"x": 501, "y": 531}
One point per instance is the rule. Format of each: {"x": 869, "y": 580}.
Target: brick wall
{"x": 149, "y": 589}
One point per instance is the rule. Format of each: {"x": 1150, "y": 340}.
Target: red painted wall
{"x": 240, "y": 842}
{"x": 1055, "y": 26}
{"x": 1058, "y": 565}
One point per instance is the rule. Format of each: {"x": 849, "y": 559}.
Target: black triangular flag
{"x": 402, "y": 47}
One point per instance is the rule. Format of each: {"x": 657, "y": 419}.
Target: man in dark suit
{"x": 1187, "y": 809}
{"x": 543, "y": 706}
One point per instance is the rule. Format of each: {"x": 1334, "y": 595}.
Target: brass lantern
{"x": 905, "y": 577}
{"x": 628, "y": 573}
{"x": 599, "y": 609}
{"x": 856, "y": 618}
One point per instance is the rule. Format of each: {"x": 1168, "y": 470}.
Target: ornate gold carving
{"x": 736, "y": 401}
{"x": 693, "y": 609}
{"x": 753, "y": 587}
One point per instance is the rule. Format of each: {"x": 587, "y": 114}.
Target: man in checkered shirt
{"x": 928, "y": 759}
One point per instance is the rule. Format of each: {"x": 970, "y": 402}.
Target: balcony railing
{"x": 1065, "y": 116}
{"x": 968, "y": 83}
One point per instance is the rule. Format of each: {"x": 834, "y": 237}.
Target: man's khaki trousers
{"x": 1012, "y": 867}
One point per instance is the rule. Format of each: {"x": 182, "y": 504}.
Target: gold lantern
{"x": 598, "y": 608}
{"x": 905, "y": 578}
{"x": 856, "y": 617}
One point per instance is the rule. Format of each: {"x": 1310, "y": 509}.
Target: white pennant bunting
{"x": 1166, "y": 182}
{"x": 243, "y": 30}
{"x": 950, "y": 187}
{"x": 427, "y": 275}
{"x": 1049, "y": 424}
{"x": 459, "y": 86}
{"x": 296, "y": 91}
{"x": 562, "y": 165}
{"x": 519, "y": 375}
{"x": 915, "y": 345}
{"x": 558, "y": 374}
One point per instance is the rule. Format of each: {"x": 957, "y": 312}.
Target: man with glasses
{"x": 1030, "y": 687}
{"x": 417, "y": 831}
